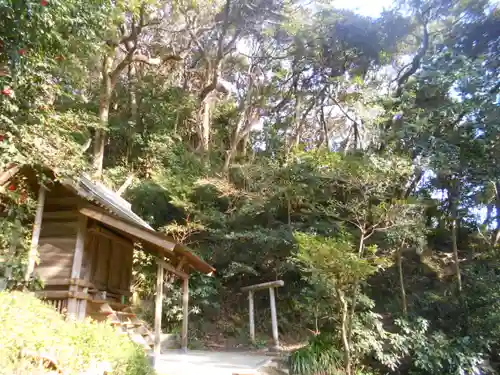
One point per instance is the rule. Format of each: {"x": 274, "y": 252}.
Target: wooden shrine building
{"x": 82, "y": 247}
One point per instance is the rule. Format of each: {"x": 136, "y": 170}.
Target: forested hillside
{"x": 355, "y": 158}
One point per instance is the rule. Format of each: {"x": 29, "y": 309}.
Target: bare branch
{"x": 126, "y": 184}
{"x": 8, "y": 174}
{"x": 225, "y": 26}
{"x": 415, "y": 64}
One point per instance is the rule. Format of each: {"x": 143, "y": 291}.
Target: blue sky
{"x": 371, "y": 8}
{"x": 365, "y": 7}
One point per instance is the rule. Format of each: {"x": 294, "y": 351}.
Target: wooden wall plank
{"x": 126, "y": 271}
{"x": 65, "y": 203}
{"x": 115, "y": 265}
{"x": 59, "y": 229}
{"x": 60, "y": 215}
{"x": 100, "y": 278}
{"x": 57, "y": 245}
{"x": 48, "y": 273}
{"x": 88, "y": 255}
{"x": 100, "y": 231}
{"x": 57, "y": 260}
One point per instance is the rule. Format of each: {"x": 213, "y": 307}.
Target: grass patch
{"x": 28, "y": 324}
{"x": 319, "y": 357}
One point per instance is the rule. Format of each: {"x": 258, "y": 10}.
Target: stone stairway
{"x": 278, "y": 365}
{"x": 128, "y": 323}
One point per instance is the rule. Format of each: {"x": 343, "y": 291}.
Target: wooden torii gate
{"x": 272, "y": 300}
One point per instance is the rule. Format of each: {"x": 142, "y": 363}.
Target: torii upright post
{"x": 274, "y": 318}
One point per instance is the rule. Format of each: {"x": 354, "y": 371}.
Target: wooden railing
{"x": 85, "y": 293}
{"x": 61, "y": 305}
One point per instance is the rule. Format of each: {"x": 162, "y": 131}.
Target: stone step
{"x": 278, "y": 365}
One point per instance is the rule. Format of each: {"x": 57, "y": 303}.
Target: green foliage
{"x": 347, "y": 162}
{"x": 13, "y": 246}
{"x": 436, "y": 353}
{"x": 442, "y": 355}
{"x": 30, "y": 325}
{"x": 411, "y": 348}
{"x": 320, "y": 356}
{"x": 331, "y": 261}
{"x": 43, "y": 52}
{"x": 482, "y": 300}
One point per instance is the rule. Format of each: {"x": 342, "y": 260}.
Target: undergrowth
{"x": 319, "y": 357}
{"x": 27, "y": 324}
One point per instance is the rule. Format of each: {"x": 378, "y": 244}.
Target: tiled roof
{"x": 109, "y": 200}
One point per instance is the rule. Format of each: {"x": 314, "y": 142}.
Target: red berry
{"x": 12, "y": 187}
{"x": 7, "y": 91}
{"x": 44, "y": 3}
{"x": 2, "y": 137}
{"x": 22, "y": 52}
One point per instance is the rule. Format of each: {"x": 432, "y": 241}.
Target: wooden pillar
{"x": 274, "y": 318}
{"x": 73, "y": 303}
{"x": 86, "y": 270}
{"x": 37, "y": 226}
{"x": 185, "y": 314}
{"x": 158, "y": 311}
{"x": 251, "y": 316}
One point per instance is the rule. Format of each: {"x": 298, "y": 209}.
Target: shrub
{"x": 320, "y": 357}
{"x": 26, "y": 323}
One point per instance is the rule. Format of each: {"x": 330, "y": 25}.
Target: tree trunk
{"x": 140, "y": 125}
{"x": 244, "y": 145}
{"x": 297, "y": 120}
{"x": 489, "y": 213}
{"x": 453, "y": 195}
{"x": 404, "y": 303}
{"x": 496, "y": 234}
{"x": 455, "y": 254}
{"x": 104, "y": 103}
{"x": 345, "y": 331}
{"x": 414, "y": 183}
{"x": 325, "y": 126}
{"x": 229, "y": 157}
{"x": 361, "y": 246}
{"x": 233, "y": 142}
{"x": 241, "y": 131}
{"x": 205, "y": 125}
{"x": 132, "y": 126}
